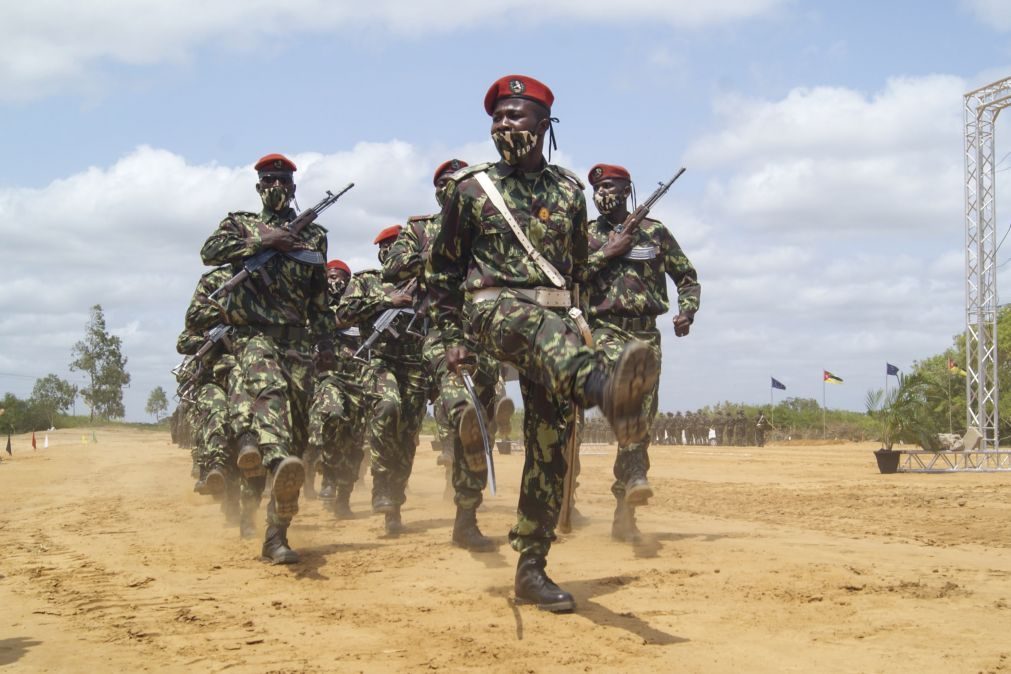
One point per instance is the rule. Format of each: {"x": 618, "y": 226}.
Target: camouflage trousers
{"x": 210, "y": 420}
{"x": 470, "y": 471}
{"x": 270, "y": 395}
{"x": 546, "y": 348}
{"x": 400, "y": 388}
{"x": 632, "y": 458}
{"x": 337, "y": 422}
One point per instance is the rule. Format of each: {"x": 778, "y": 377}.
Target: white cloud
{"x": 995, "y": 13}
{"x": 51, "y": 46}
{"x": 830, "y": 160}
{"x": 128, "y": 237}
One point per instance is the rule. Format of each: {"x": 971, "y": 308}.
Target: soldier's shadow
{"x": 419, "y": 526}
{"x": 13, "y": 649}
{"x": 312, "y": 559}
{"x": 585, "y": 590}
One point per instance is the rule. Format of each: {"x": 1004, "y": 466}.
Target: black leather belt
{"x": 283, "y": 333}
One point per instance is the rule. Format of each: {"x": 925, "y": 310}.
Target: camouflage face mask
{"x": 513, "y": 146}
{"x": 606, "y": 202}
{"x": 275, "y": 198}
{"x": 337, "y": 287}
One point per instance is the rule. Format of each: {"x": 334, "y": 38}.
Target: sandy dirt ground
{"x": 799, "y": 558}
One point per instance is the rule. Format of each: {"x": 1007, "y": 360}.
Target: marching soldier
{"x": 513, "y": 236}
{"x": 340, "y": 407}
{"x": 399, "y": 384}
{"x": 278, "y": 316}
{"x": 206, "y": 385}
{"x": 406, "y": 261}
{"x": 627, "y": 289}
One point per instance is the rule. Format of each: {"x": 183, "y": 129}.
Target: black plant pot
{"x": 888, "y": 461}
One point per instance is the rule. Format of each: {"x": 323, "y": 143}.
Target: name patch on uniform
{"x": 642, "y": 253}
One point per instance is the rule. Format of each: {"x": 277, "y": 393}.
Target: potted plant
{"x": 882, "y": 408}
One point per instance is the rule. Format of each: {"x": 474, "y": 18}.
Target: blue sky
{"x": 822, "y": 205}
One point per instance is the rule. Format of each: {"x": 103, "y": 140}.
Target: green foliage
{"x": 21, "y": 416}
{"x": 912, "y": 412}
{"x": 157, "y": 403}
{"x": 52, "y": 395}
{"x": 100, "y": 356}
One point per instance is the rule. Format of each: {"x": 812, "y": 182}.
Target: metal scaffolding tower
{"x": 982, "y": 107}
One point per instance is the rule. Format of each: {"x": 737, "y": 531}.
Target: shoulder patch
{"x": 570, "y": 175}
{"x": 468, "y": 171}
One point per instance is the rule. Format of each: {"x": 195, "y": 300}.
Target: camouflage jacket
{"x": 475, "y": 248}
{"x": 297, "y": 292}
{"x": 409, "y": 255}
{"x": 365, "y": 298}
{"x": 630, "y": 288}
{"x": 201, "y": 316}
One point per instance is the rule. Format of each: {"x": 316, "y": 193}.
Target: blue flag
{"x": 891, "y": 370}
{"x": 778, "y": 384}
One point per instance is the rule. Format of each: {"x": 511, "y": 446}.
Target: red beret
{"x": 453, "y": 165}
{"x": 339, "y": 264}
{"x": 518, "y": 86}
{"x": 602, "y": 171}
{"x": 391, "y": 232}
{"x": 275, "y": 163}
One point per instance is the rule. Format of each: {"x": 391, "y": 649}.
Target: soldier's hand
{"x": 401, "y": 298}
{"x": 617, "y": 244}
{"x": 276, "y": 238}
{"x": 457, "y": 357}
{"x": 682, "y": 324}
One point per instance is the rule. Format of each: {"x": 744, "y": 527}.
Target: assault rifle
{"x": 636, "y": 217}
{"x": 254, "y": 263}
{"x": 219, "y": 333}
{"x": 385, "y": 321}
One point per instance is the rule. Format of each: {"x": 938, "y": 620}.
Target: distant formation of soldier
{"x": 296, "y": 365}
{"x": 701, "y": 427}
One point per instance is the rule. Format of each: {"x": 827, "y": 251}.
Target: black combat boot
{"x": 381, "y": 501}
{"x": 504, "y": 410}
{"x": 342, "y": 504}
{"x": 466, "y": 534}
{"x": 637, "y": 489}
{"x": 289, "y": 476}
{"x": 394, "y": 525}
{"x": 620, "y": 390}
{"x": 275, "y": 546}
{"x": 469, "y": 430}
{"x": 214, "y": 482}
{"x": 249, "y": 459}
{"x": 534, "y": 587}
{"x": 624, "y": 528}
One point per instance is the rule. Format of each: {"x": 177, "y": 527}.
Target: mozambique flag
{"x": 955, "y": 369}
{"x": 891, "y": 370}
{"x": 830, "y": 378}
{"x": 778, "y": 384}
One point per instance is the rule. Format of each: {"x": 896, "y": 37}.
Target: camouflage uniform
{"x": 625, "y": 297}
{"x": 406, "y": 260}
{"x": 397, "y": 381}
{"x": 276, "y": 316}
{"x": 210, "y": 400}
{"x": 475, "y": 249}
{"x": 339, "y": 411}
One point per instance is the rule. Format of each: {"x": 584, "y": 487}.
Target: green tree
{"x": 51, "y": 395}
{"x": 157, "y": 403}
{"x": 100, "y": 356}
